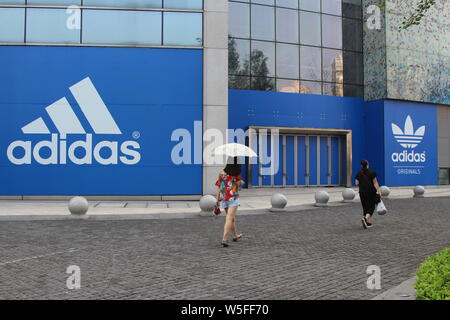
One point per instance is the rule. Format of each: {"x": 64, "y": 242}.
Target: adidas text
{"x": 406, "y": 156}
{"x": 22, "y": 152}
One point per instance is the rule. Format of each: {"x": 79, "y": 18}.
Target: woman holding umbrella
{"x": 229, "y": 184}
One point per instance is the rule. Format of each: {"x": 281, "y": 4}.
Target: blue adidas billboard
{"x": 97, "y": 121}
{"x": 410, "y": 143}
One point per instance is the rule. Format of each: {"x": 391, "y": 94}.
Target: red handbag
{"x": 217, "y": 210}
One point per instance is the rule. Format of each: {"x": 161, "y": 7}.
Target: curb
{"x": 404, "y": 291}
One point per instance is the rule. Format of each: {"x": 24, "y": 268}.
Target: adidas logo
{"x": 408, "y": 138}
{"x": 79, "y": 152}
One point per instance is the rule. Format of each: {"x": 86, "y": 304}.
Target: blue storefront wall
{"x": 277, "y": 109}
{"x": 148, "y": 92}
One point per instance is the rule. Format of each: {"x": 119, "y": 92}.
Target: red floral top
{"x": 229, "y": 186}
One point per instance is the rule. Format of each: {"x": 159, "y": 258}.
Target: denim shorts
{"x": 232, "y": 203}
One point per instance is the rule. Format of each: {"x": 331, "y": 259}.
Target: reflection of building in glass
{"x": 337, "y": 76}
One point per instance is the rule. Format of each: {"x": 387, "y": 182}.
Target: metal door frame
{"x": 297, "y": 131}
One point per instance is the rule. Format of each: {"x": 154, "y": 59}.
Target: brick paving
{"x": 310, "y": 254}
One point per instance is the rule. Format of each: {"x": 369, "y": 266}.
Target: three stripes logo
{"x": 408, "y": 138}
{"x": 80, "y": 152}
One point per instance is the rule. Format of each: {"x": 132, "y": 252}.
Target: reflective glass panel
{"x": 332, "y": 7}
{"x": 183, "y": 29}
{"x": 333, "y": 89}
{"x": 263, "y": 22}
{"x": 352, "y": 34}
{"x": 121, "y": 27}
{"x": 331, "y": 31}
{"x": 352, "y": 8}
{"x": 285, "y": 85}
{"x": 287, "y": 25}
{"x": 269, "y": 2}
{"x": 310, "y": 87}
{"x": 311, "y": 5}
{"x": 353, "y": 67}
{"x": 263, "y": 84}
{"x": 310, "y": 28}
{"x": 288, "y": 3}
{"x": 183, "y": 4}
{"x": 287, "y": 61}
{"x": 12, "y": 24}
{"x": 353, "y": 91}
{"x": 239, "y": 57}
{"x": 50, "y": 26}
{"x": 239, "y": 20}
{"x": 333, "y": 65}
{"x": 310, "y": 63}
{"x": 54, "y": 2}
{"x": 12, "y": 1}
{"x": 263, "y": 59}
{"x": 124, "y": 3}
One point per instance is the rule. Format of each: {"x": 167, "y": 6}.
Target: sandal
{"x": 237, "y": 238}
{"x": 224, "y": 243}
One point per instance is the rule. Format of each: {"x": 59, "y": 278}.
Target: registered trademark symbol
{"x": 136, "y": 135}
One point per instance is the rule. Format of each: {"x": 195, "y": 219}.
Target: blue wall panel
{"x": 259, "y": 108}
{"x": 149, "y": 93}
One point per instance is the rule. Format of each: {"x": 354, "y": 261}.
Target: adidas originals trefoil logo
{"x": 66, "y": 122}
{"x": 408, "y": 138}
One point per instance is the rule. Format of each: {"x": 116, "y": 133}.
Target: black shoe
{"x": 369, "y": 225}
{"x": 225, "y": 244}
{"x": 364, "y": 223}
{"x": 239, "y": 237}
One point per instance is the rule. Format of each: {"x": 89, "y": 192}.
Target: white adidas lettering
{"x": 66, "y": 122}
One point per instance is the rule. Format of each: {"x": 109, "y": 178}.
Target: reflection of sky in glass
{"x": 189, "y": 23}
{"x": 49, "y": 26}
{"x": 12, "y": 24}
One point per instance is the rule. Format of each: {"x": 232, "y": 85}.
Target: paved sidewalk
{"x": 310, "y": 254}
{"x": 253, "y": 201}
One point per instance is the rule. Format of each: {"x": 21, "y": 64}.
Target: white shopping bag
{"x": 381, "y": 208}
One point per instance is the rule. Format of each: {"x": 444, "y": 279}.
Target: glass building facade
{"x": 102, "y": 22}
{"x": 299, "y": 46}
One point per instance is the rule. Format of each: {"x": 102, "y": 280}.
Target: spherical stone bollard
{"x": 78, "y": 206}
{"x": 348, "y": 194}
{"x": 278, "y": 202}
{"x": 385, "y": 191}
{"x": 207, "y": 204}
{"x": 322, "y": 198}
{"x": 419, "y": 192}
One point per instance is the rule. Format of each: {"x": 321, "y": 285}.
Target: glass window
{"x": 54, "y": 2}
{"x": 124, "y": 3}
{"x": 352, "y": 34}
{"x": 238, "y": 82}
{"x": 353, "y": 67}
{"x": 352, "y": 9}
{"x": 333, "y": 89}
{"x": 12, "y": 1}
{"x": 288, "y": 3}
{"x": 263, "y": 22}
{"x": 183, "y": 29}
{"x": 12, "y": 24}
{"x": 239, "y": 20}
{"x": 287, "y": 61}
{"x": 353, "y": 91}
{"x": 269, "y": 2}
{"x": 287, "y": 25}
{"x": 332, "y": 65}
{"x": 50, "y": 26}
{"x": 239, "y": 56}
{"x": 263, "y": 59}
{"x": 310, "y": 63}
{"x": 331, "y": 31}
{"x": 444, "y": 176}
{"x": 183, "y": 4}
{"x": 311, "y": 5}
{"x": 285, "y": 85}
{"x": 310, "y": 28}
{"x": 310, "y": 87}
{"x": 332, "y": 7}
{"x": 263, "y": 84}
{"x": 121, "y": 27}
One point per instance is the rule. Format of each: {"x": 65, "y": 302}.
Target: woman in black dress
{"x": 369, "y": 192}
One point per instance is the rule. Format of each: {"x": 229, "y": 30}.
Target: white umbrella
{"x": 234, "y": 150}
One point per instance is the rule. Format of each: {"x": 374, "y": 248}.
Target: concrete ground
{"x": 255, "y": 200}
{"x": 320, "y": 253}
